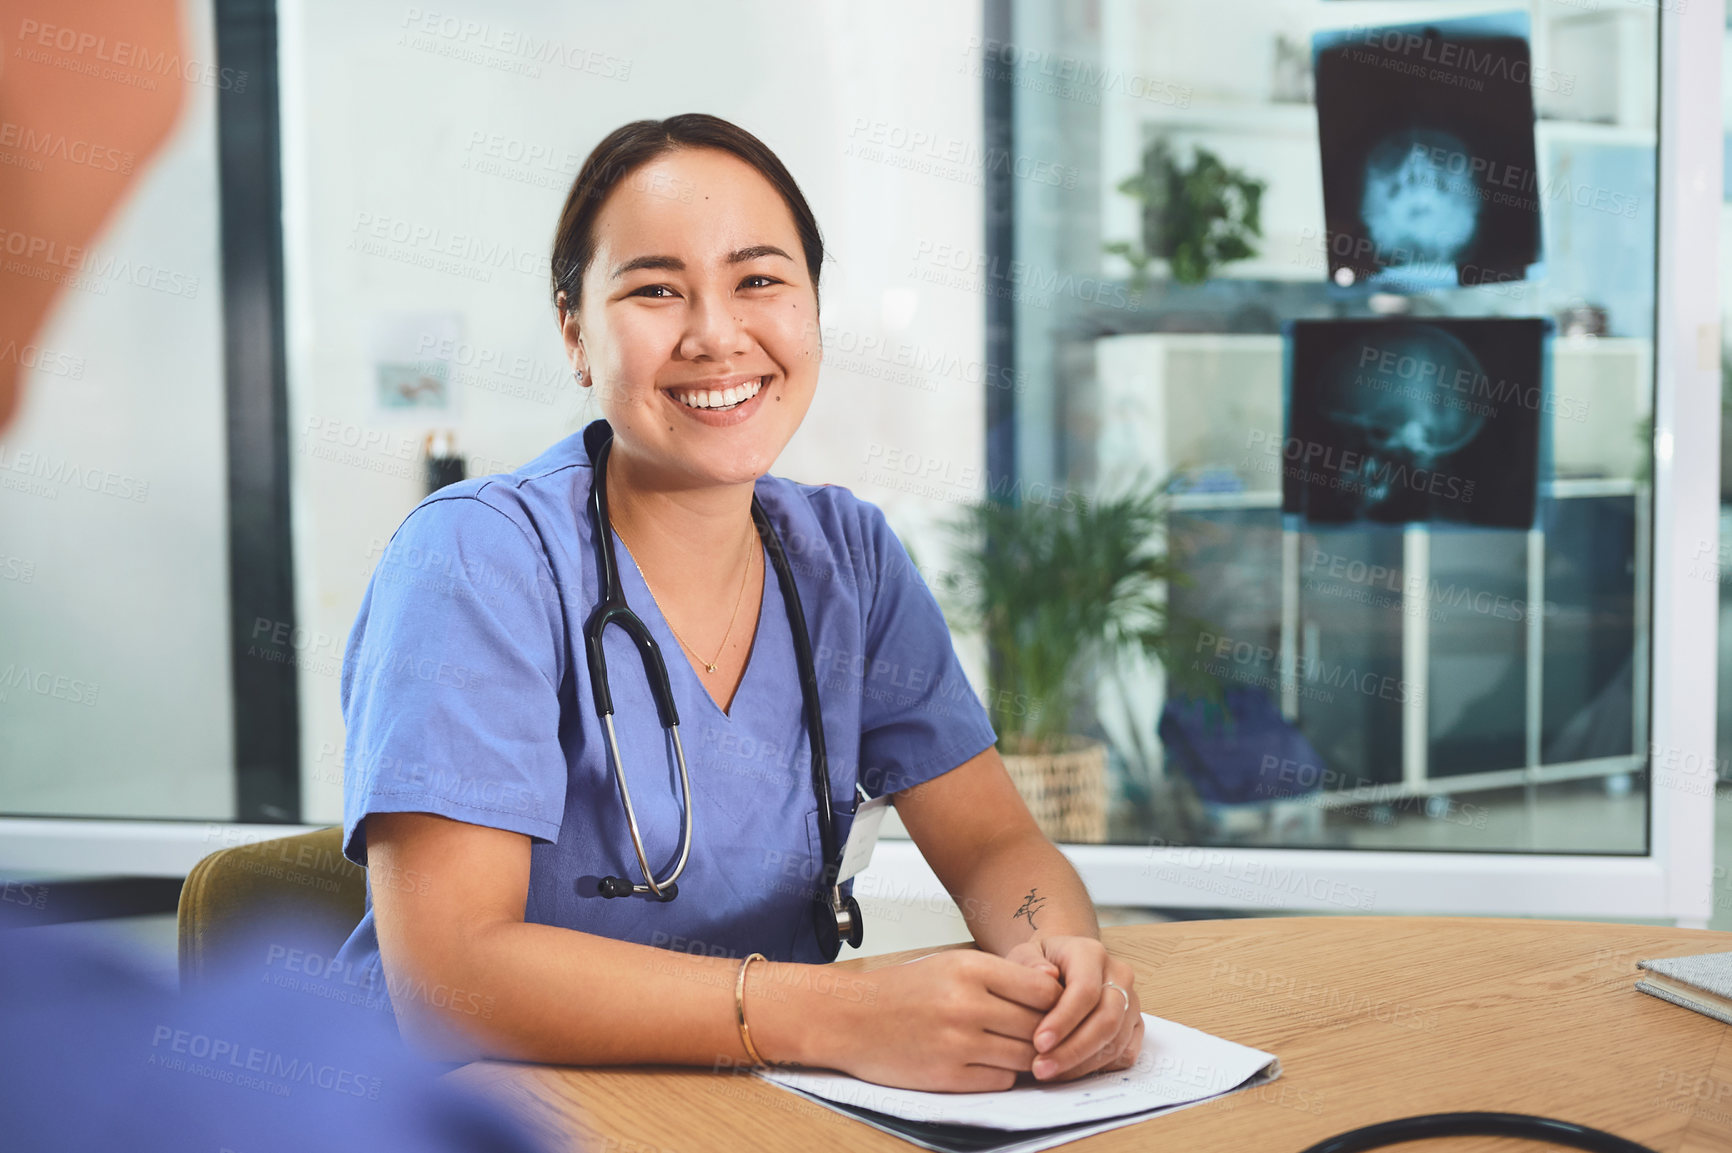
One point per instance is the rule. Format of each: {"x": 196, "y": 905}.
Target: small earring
{"x": 577, "y": 375}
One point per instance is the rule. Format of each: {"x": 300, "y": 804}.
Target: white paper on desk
{"x": 1178, "y": 1065}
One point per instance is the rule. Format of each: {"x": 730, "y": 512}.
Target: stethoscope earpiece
{"x": 620, "y": 887}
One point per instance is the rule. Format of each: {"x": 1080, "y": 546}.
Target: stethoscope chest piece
{"x": 835, "y": 925}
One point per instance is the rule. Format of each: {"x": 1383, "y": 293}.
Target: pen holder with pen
{"x": 444, "y": 464}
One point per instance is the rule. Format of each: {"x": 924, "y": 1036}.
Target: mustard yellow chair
{"x": 238, "y": 896}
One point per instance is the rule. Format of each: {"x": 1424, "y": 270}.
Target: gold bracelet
{"x": 740, "y": 1008}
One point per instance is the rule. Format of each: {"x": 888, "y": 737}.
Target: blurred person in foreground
{"x": 93, "y": 1054}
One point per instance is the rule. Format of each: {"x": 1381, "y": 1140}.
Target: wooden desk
{"x": 1372, "y": 1017}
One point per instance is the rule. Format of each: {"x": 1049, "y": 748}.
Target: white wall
{"x": 382, "y": 110}
{"x": 115, "y": 694}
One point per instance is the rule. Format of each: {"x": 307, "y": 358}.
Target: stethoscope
{"x": 835, "y": 918}
{"x": 1523, "y": 1126}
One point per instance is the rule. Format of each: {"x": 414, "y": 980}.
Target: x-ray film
{"x": 1405, "y": 421}
{"x": 1426, "y": 137}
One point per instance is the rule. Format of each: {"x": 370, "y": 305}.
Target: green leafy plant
{"x": 1061, "y": 590}
{"x": 1195, "y": 218}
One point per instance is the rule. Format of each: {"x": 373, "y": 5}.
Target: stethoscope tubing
{"x": 612, "y": 609}
{"x": 1523, "y": 1126}
{"x": 654, "y": 887}
{"x": 808, "y": 690}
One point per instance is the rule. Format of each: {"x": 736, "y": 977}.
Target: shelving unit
{"x": 1230, "y": 111}
{"x": 1172, "y": 402}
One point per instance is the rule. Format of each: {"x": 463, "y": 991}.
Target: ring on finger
{"x": 1122, "y": 993}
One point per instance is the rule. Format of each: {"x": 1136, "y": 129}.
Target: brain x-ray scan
{"x": 1413, "y": 200}
{"x": 1427, "y": 146}
{"x": 1404, "y": 421}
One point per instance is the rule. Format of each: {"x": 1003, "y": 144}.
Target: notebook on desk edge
{"x": 1702, "y": 982}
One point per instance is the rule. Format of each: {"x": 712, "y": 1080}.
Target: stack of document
{"x": 1177, "y": 1067}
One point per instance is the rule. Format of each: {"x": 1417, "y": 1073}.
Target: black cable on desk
{"x": 1524, "y": 1126}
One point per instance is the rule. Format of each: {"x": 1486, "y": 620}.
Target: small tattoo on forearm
{"x": 1030, "y": 906}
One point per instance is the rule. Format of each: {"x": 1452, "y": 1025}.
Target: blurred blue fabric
{"x": 96, "y": 1056}
{"x": 1244, "y": 753}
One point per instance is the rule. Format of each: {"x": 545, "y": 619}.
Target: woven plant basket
{"x": 1065, "y": 789}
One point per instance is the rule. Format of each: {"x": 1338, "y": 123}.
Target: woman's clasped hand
{"x": 1092, "y": 1027}
{"x": 969, "y": 1021}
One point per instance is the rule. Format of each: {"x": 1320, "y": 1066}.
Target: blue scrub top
{"x": 466, "y": 693}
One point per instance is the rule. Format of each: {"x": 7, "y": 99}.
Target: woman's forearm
{"x": 468, "y": 977}
{"x": 553, "y": 995}
{"x": 1022, "y": 889}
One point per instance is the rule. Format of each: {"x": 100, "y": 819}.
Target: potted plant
{"x": 1061, "y": 591}
{"x": 1195, "y": 218}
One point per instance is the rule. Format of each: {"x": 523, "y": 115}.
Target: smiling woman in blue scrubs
{"x": 478, "y": 786}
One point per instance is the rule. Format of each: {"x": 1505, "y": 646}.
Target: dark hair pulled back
{"x": 630, "y": 147}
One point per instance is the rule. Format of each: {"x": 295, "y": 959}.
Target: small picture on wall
{"x": 1426, "y": 139}
{"x": 1414, "y": 421}
{"x": 411, "y": 363}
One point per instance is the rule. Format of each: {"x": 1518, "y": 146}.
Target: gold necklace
{"x": 709, "y": 666}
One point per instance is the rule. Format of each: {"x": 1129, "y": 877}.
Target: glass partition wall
{"x": 1362, "y": 295}
{"x": 1366, "y": 293}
